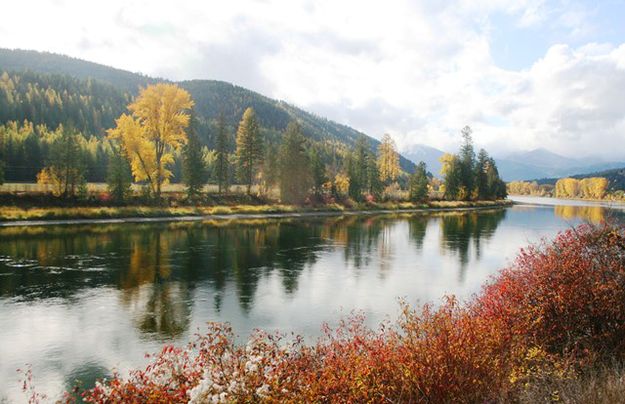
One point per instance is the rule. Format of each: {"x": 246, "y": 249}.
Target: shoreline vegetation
{"x": 550, "y": 327}
{"x": 161, "y": 139}
{"x": 15, "y": 215}
{"x": 594, "y": 189}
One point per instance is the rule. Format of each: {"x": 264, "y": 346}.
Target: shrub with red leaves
{"x": 558, "y": 309}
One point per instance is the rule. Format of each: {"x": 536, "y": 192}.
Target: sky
{"x": 523, "y": 74}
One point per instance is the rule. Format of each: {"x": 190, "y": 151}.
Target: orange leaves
{"x": 560, "y": 307}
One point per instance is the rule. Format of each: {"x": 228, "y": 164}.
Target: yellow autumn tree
{"x": 153, "y": 130}
{"x": 567, "y": 188}
{"x": 388, "y": 159}
{"x": 593, "y": 188}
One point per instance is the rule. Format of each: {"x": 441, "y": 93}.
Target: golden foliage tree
{"x": 388, "y": 159}
{"x": 153, "y": 131}
{"x": 588, "y": 188}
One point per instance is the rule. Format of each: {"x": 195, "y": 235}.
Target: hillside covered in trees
{"x": 48, "y": 90}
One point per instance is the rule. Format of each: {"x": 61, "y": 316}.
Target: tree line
{"x": 159, "y": 139}
{"x": 470, "y": 177}
{"x": 585, "y": 188}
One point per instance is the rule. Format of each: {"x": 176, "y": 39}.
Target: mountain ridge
{"x": 212, "y": 97}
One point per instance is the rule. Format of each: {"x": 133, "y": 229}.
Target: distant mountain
{"x": 429, "y": 155}
{"x": 542, "y": 158}
{"x": 542, "y": 163}
{"x": 49, "y": 74}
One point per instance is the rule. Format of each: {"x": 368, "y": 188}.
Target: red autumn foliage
{"x": 559, "y": 308}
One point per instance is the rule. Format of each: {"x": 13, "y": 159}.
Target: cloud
{"x": 418, "y": 70}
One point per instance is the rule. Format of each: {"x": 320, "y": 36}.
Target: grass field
{"x": 16, "y": 213}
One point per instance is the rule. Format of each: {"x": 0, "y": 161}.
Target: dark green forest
{"x": 41, "y": 91}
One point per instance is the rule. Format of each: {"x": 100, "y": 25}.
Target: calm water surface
{"x": 78, "y": 300}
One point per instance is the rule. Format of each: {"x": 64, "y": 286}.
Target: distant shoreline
{"x": 589, "y": 202}
{"x": 62, "y": 216}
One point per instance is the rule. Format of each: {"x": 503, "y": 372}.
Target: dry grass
{"x": 9, "y": 213}
{"x": 602, "y": 386}
{"x": 12, "y": 213}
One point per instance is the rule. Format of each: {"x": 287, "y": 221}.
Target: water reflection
{"x": 76, "y": 300}
{"x": 157, "y": 266}
{"x": 590, "y": 214}
{"x": 461, "y": 230}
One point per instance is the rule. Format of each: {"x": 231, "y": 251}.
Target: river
{"x": 78, "y": 300}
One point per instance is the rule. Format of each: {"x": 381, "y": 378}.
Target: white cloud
{"x": 417, "y": 71}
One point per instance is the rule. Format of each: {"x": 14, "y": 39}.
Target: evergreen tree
{"x": 2, "y": 156}
{"x": 467, "y": 163}
{"x": 295, "y": 178}
{"x": 481, "y": 181}
{"x": 119, "y": 176}
{"x": 452, "y": 176}
{"x": 194, "y": 170}
{"x": 249, "y": 148}
{"x": 496, "y": 186}
{"x": 357, "y": 169}
{"x": 374, "y": 182}
{"x": 271, "y": 170}
{"x": 418, "y": 184}
{"x": 222, "y": 163}
{"x": 66, "y": 165}
{"x": 318, "y": 171}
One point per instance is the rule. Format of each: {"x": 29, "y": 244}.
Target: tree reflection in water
{"x": 157, "y": 267}
{"x": 461, "y": 230}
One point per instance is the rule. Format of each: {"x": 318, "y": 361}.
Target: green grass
{"x": 14, "y": 213}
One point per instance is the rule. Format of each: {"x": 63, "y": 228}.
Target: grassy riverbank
{"x": 17, "y": 213}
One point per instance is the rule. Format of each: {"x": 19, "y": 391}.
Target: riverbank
{"x": 589, "y": 200}
{"x": 17, "y": 216}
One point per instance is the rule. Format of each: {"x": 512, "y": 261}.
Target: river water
{"x": 77, "y": 301}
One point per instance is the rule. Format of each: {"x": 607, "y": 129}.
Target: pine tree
{"x": 418, "y": 184}
{"x": 452, "y": 176}
{"x": 481, "y": 180}
{"x": 357, "y": 169}
{"x": 318, "y": 171}
{"x": 222, "y": 163}
{"x": 271, "y": 170}
{"x": 119, "y": 176}
{"x": 374, "y": 182}
{"x": 66, "y": 165}
{"x": 467, "y": 163}
{"x": 295, "y": 177}
{"x": 249, "y": 148}
{"x": 496, "y": 186}
{"x": 194, "y": 170}
{"x": 2, "y": 155}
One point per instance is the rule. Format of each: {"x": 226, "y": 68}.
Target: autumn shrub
{"x": 559, "y": 310}
{"x": 566, "y": 296}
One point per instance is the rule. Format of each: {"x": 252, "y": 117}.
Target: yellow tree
{"x": 388, "y": 159}
{"x": 153, "y": 131}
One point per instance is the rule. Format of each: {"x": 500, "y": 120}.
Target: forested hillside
{"x": 86, "y": 105}
{"x": 49, "y": 89}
